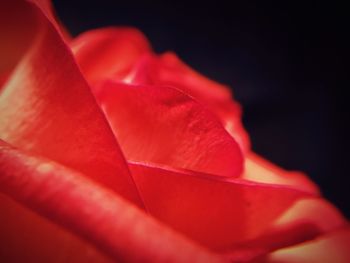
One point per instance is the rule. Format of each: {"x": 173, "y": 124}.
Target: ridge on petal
{"x": 165, "y": 126}
{"x": 47, "y": 108}
{"x": 168, "y": 70}
{"x": 95, "y": 214}
{"x": 109, "y": 52}
{"x": 306, "y": 220}
{"x": 218, "y": 212}
{"x": 332, "y": 247}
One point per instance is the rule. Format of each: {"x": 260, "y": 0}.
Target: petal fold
{"x": 47, "y": 108}
{"x": 113, "y": 225}
{"x": 169, "y": 70}
{"x": 258, "y": 169}
{"x": 218, "y": 212}
{"x": 109, "y": 53}
{"x": 29, "y": 237}
{"x": 333, "y": 247}
{"x": 165, "y": 126}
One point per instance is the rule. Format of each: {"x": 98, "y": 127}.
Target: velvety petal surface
{"x": 93, "y": 213}
{"x": 169, "y": 70}
{"x": 47, "y": 108}
{"x": 109, "y": 53}
{"x": 218, "y": 212}
{"x": 165, "y": 126}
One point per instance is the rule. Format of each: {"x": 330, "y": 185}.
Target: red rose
{"x": 110, "y": 152}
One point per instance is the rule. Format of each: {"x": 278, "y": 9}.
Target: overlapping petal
{"x": 16, "y": 34}
{"x": 258, "y": 169}
{"x": 29, "y": 237}
{"x": 305, "y": 220}
{"x": 124, "y": 54}
{"x": 109, "y": 53}
{"x": 332, "y": 247}
{"x": 47, "y": 108}
{"x": 220, "y": 213}
{"x": 168, "y": 124}
{"x": 168, "y": 69}
{"x": 163, "y": 125}
{"x": 111, "y": 224}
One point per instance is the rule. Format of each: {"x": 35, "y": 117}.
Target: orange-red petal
{"x": 258, "y": 169}
{"x": 15, "y": 17}
{"x": 163, "y": 125}
{"x": 29, "y": 237}
{"x": 111, "y": 224}
{"x": 218, "y": 212}
{"x": 47, "y": 107}
{"x": 109, "y": 53}
{"x": 305, "y": 220}
{"x": 332, "y": 247}
{"x": 169, "y": 70}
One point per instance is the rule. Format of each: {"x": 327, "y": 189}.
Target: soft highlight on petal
{"x": 165, "y": 126}
{"x": 218, "y": 212}
{"x": 109, "y": 53}
{"x": 305, "y": 220}
{"x": 333, "y": 247}
{"x": 113, "y": 225}
{"x": 169, "y": 70}
{"x": 15, "y": 17}
{"x": 258, "y": 169}
{"x": 47, "y": 108}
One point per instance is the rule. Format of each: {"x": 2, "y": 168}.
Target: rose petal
{"x": 14, "y": 17}
{"x": 28, "y": 237}
{"x": 217, "y": 212}
{"x": 305, "y": 220}
{"x": 313, "y": 210}
{"x": 162, "y": 125}
{"x": 112, "y": 224}
{"x": 169, "y": 70}
{"x": 47, "y": 108}
{"x": 258, "y": 169}
{"x": 333, "y": 247}
{"x": 47, "y": 9}
{"x": 109, "y": 52}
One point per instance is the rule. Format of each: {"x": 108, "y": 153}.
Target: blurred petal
{"x": 47, "y": 9}
{"x": 48, "y": 108}
{"x": 333, "y": 247}
{"x": 218, "y": 212}
{"x": 97, "y": 215}
{"x": 15, "y": 17}
{"x": 109, "y": 53}
{"x": 317, "y": 211}
{"x": 29, "y": 237}
{"x": 169, "y": 70}
{"x": 305, "y": 220}
{"x": 18, "y": 25}
{"x": 162, "y": 125}
{"x": 258, "y": 169}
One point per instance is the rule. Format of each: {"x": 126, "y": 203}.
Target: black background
{"x": 285, "y": 63}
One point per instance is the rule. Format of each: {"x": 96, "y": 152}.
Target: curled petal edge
{"x": 112, "y": 224}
